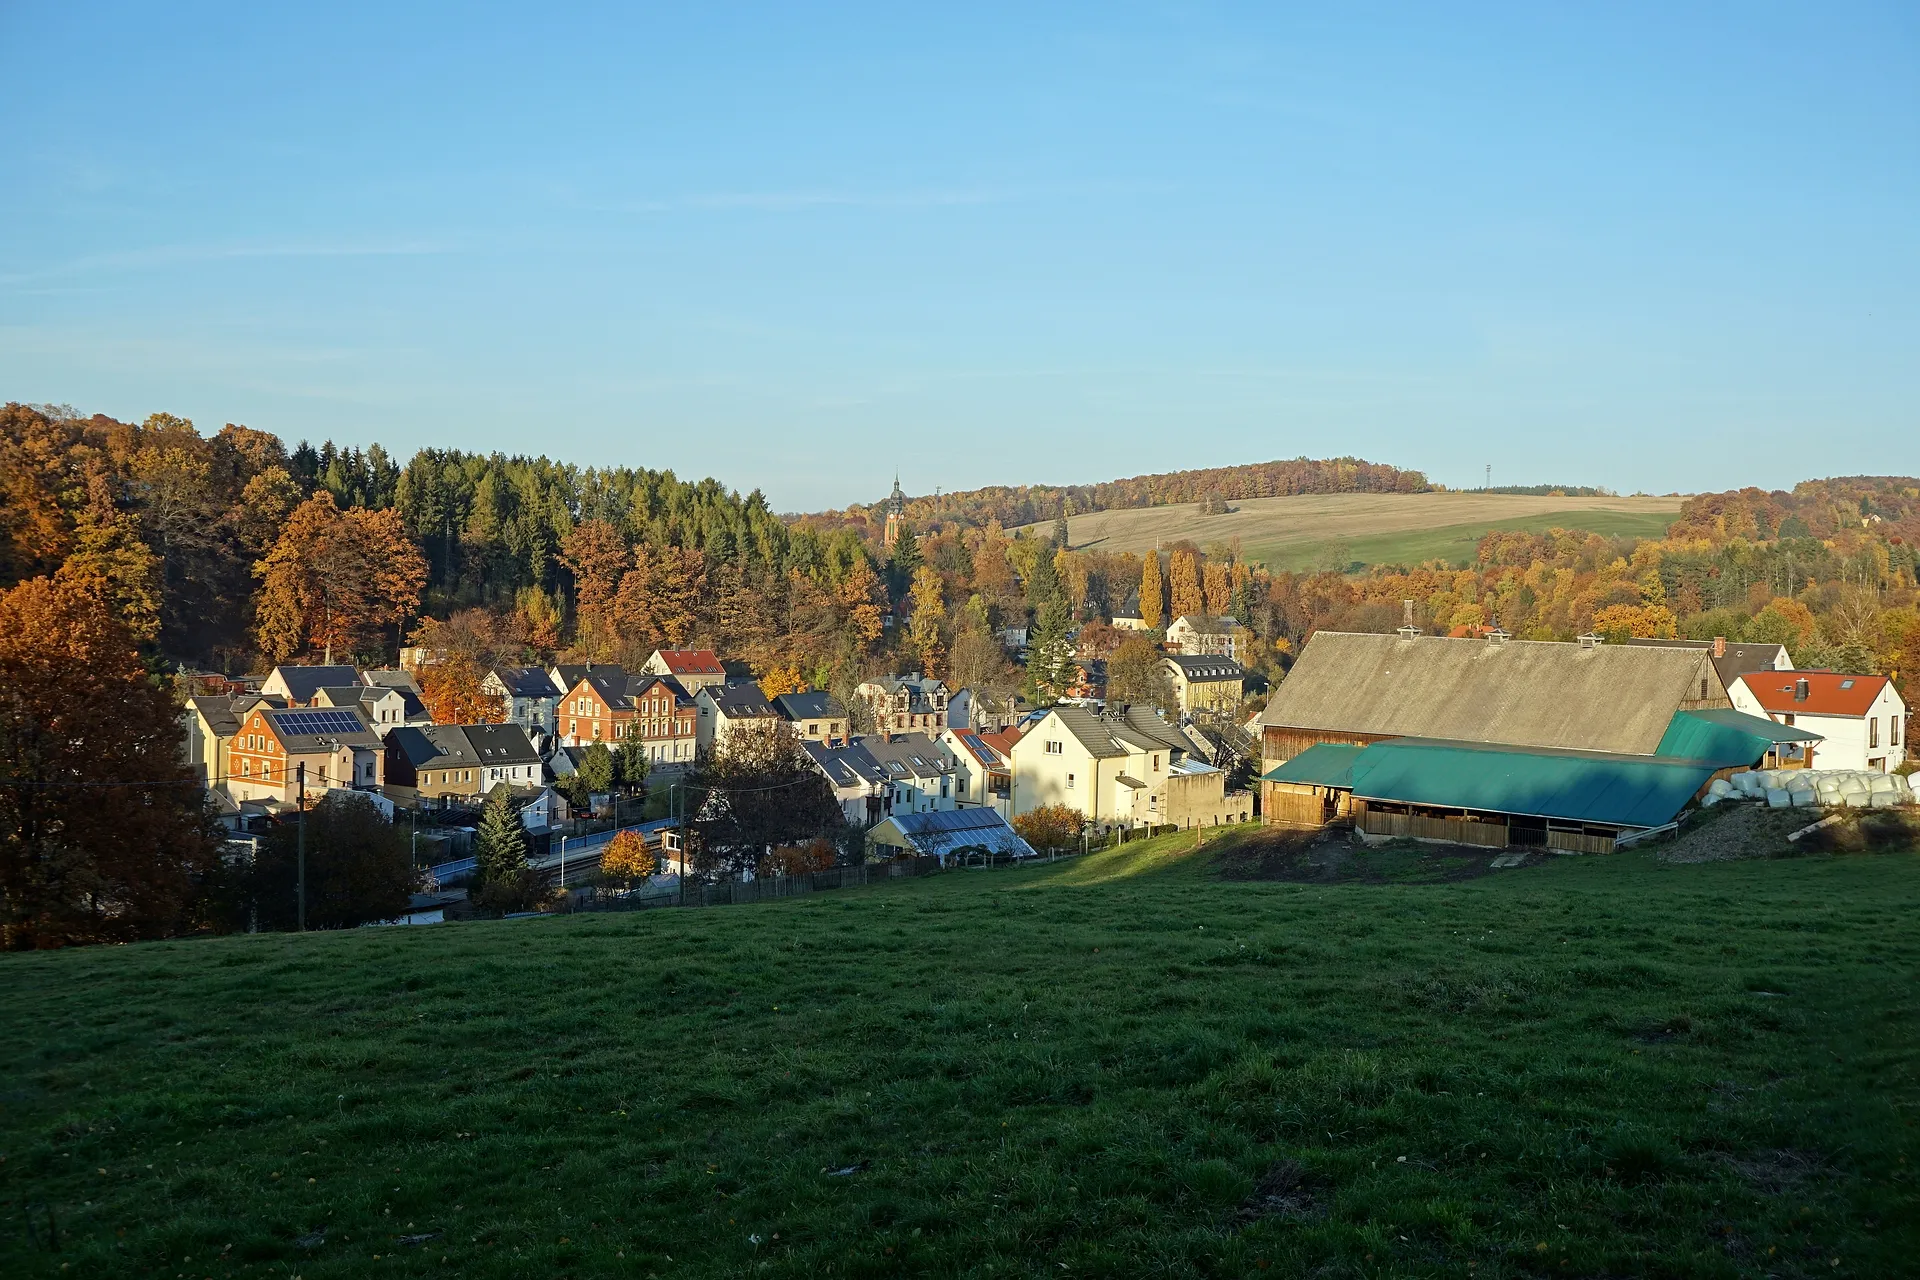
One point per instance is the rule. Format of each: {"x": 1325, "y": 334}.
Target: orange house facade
{"x": 337, "y": 746}
{"x": 615, "y": 710}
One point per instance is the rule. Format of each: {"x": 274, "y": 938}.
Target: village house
{"x": 694, "y": 669}
{"x": 594, "y": 707}
{"x": 568, "y": 674}
{"x": 432, "y": 764}
{"x": 904, "y": 704}
{"x": 860, "y": 785}
{"x": 985, "y": 779}
{"x": 1861, "y": 720}
{"x": 665, "y": 719}
{"x": 722, "y": 706}
{"x": 337, "y": 746}
{"x": 1197, "y": 634}
{"x": 1120, "y": 768}
{"x": 921, "y": 774}
{"x": 384, "y": 708}
{"x": 527, "y": 695}
{"x": 873, "y": 777}
{"x": 1729, "y": 659}
{"x": 504, "y": 753}
{"x": 298, "y": 685}
{"x": 983, "y": 712}
{"x": 816, "y": 715}
{"x": 1205, "y": 683}
{"x": 212, "y": 721}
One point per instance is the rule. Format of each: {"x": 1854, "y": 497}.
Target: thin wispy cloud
{"x": 159, "y": 256}
{"x": 807, "y": 198}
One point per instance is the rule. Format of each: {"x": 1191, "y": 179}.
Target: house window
{"x": 596, "y": 731}
{"x": 1069, "y": 782}
{"x": 266, "y": 769}
{"x": 1873, "y": 731}
{"x": 1156, "y": 764}
{"x": 246, "y": 768}
{"x": 1893, "y": 731}
{"x": 1703, "y": 688}
{"x": 1056, "y": 749}
{"x": 573, "y": 727}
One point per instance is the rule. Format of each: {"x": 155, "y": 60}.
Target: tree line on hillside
{"x": 1011, "y": 506}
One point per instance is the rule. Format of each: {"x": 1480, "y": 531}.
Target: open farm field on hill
{"x": 1122, "y": 1065}
{"x": 1317, "y": 530}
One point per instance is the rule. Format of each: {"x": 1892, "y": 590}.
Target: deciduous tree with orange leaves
{"x": 1152, "y": 605}
{"x": 336, "y": 581}
{"x": 451, "y": 691}
{"x": 103, "y": 833}
{"x": 1183, "y": 584}
{"x": 627, "y": 858}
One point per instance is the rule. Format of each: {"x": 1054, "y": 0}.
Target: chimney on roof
{"x": 1719, "y": 646}
{"x": 1408, "y": 632}
{"x": 1801, "y": 689}
{"x": 1589, "y": 641}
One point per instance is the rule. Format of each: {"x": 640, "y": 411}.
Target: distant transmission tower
{"x": 1489, "y": 483}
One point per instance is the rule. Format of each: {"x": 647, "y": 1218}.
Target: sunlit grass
{"x": 1122, "y": 1066}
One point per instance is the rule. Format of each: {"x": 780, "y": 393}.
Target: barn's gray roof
{"x": 1602, "y": 697}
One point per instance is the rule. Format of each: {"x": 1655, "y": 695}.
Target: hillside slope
{"x": 1315, "y": 530}
{"x": 1121, "y": 1065}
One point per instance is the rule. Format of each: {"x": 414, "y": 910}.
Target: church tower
{"x": 896, "y": 513}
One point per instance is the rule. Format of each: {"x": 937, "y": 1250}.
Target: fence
{"x": 727, "y": 893}
{"x": 1455, "y": 830}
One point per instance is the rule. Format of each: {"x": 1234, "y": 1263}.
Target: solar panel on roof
{"x": 317, "y": 722}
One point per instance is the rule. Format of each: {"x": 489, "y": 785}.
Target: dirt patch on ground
{"x": 1283, "y": 1192}
{"x": 1333, "y": 856}
{"x": 1739, "y": 830}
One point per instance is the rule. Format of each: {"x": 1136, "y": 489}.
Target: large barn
{"x": 1499, "y": 741}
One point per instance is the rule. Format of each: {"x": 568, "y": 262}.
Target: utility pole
{"x": 300, "y": 843}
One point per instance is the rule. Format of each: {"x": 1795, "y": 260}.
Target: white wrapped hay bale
{"x": 1884, "y": 799}
{"x": 1857, "y": 799}
{"x": 1719, "y": 789}
{"x": 1799, "y": 781}
{"x": 1742, "y": 783}
{"x": 1778, "y": 797}
{"x": 1804, "y": 797}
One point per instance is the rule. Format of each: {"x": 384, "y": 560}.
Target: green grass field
{"x": 1123, "y": 1066}
{"x": 1456, "y": 544}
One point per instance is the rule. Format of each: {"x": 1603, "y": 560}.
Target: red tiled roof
{"x": 1829, "y": 693}
{"x": 692, "y": 662}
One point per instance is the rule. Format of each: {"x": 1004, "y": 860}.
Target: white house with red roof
{"x": 695, "y": 669}
{"x": 1862, "y": 719}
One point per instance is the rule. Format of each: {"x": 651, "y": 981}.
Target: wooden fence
{"x": 1488, "y": 835}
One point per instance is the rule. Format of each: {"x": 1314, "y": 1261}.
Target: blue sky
{"x": 795, "y": 246}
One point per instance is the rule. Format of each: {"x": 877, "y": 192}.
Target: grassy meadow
{"x": 1135, "y": 1064}
{"x": 1303, "y": 531}
{"x": 1456, "y": 544}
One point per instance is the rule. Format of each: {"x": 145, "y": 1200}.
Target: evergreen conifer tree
{"x": 500, "y": 853}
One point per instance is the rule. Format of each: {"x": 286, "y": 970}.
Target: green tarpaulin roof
{"x": 1726, "y": 737}
{"x": 1576, "y": 786}
{"x": 1325, "y": 764}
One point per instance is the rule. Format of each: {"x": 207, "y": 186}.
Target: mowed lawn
{"x": 1123, "y": 1066}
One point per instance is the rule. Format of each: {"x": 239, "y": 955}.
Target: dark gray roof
{"x": 525, "y": 682}
{"x": 813, "y": 705}
{"x": 741, "y": 701}
{"x": 637, "y": 686}
{"x": 391, "y": 678}
{"x": 1199, "y": 666}
{"x": 1117, "y": 732}
{"x": 304, "y": 730}
{"x": 219, "y": 714}
{"x": 1740, "y": 658}
{"x": 909, "y": 755}
{"x": 845, "y": 766}
{"x": 430, "y": 746}
{"x": 500, "y": 744}
{"x": 567, "y": 675}
{"x": 303, "y": 682}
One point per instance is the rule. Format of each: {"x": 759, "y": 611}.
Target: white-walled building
{"x": 1861, "y": 719}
